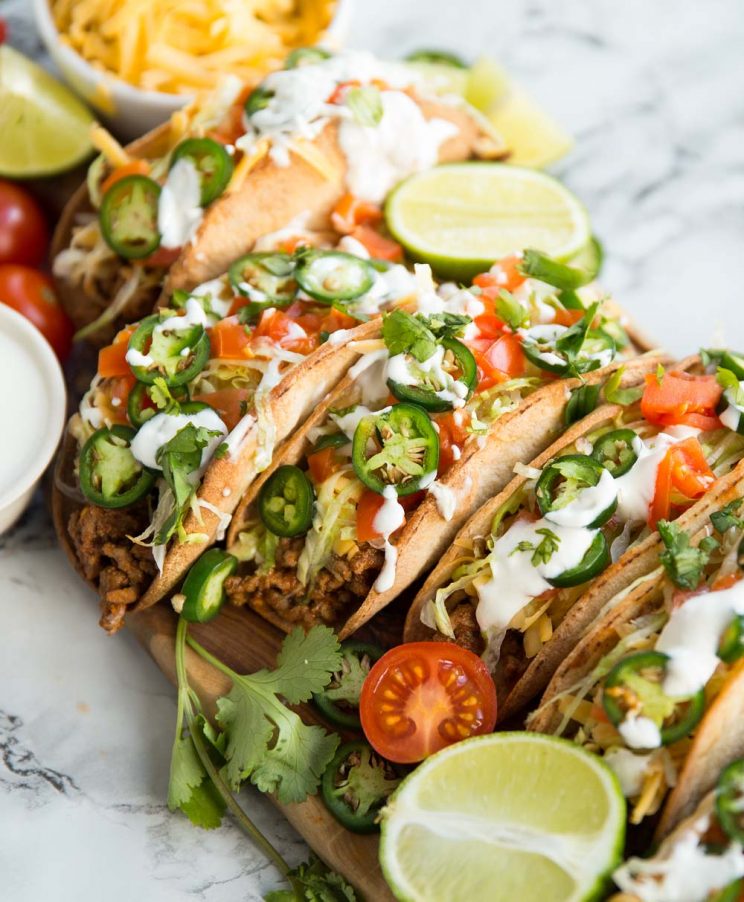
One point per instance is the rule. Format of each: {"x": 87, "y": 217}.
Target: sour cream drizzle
{"x": 179, "y": 207}
{"x": 389, "y": 517}
{"x": 160, "y": 429}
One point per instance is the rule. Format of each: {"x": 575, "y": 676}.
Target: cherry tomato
{"x": 23, "y": 230}
{"x": 31, "y": 293}
{"x": 423, "y": 696}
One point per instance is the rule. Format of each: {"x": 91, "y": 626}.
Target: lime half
{"x": 44, "y": 127}
{"x": 463, "y": 216}
{"x": 505, "y": 817}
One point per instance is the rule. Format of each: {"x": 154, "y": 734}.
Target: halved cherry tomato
{"x": 681, "y": 399}
{"x": 230, "y": 404}
{"x": 31, "y": 293}
{"x": 352, "y": 211}
{"x": 133, "y": 167}
{"x": 229, "y": 339}
{"x": 423, "y": 696}
{"x": 685, "y": 469}
{"x": 378, "y": 246}
{"x": 504, "y": 274}
{"x": 323, "y": 464}
{"x": 112, "y": 359}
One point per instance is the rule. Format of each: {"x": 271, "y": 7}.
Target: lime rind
{"x": 603, "y": 853}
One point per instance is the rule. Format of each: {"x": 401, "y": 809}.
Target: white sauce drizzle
{"x": 389, "y": 517}
{"x": 179, "y": 208}
{"x": 155, "y": 432}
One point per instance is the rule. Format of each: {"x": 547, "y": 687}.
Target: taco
{"x": 189, "y": 198}
{"x": 188, "y": 404}
{"x": 657, "y": 687}
{"x": 533, "y": 568}
{"x": 425, "y": 427}
{"x": 703, "y": 857}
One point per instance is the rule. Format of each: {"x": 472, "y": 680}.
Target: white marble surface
{"x": 654, "y": 93}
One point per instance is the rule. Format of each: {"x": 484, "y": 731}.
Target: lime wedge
{"x": 534, "y": 138}
{"x": 462, "y": 216}
{"x": 45, "y": 128}
{"x": 505, "y": 817}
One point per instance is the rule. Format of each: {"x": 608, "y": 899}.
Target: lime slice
{"x": 45, "y": 128}
{"x": 462, "y": 216}
{"x": 505, "y": 817}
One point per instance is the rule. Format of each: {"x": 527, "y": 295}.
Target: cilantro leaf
{"x": 406, "y": 334}
{"x": 582, "y": 402}
{"x": 683, "y": 562}
{"x": 446, "y": 325}
{"x": 312, "y": 881}
{"x": 190, "y": 788}
{"x": 266, "y": 741}
{"x": 726, "y": 518}
{"x": 624, "y": 396}
{"x": 537, "y": 265}
{"x": 511, "y": 311}
{"x": 543, "y": 550}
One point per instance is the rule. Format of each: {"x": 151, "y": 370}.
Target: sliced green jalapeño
{"x": 204, "y": 586}
{"x": 129, "y": 217}
{"x": 614, "y": 450}
{"x": 305, "y": 56}
{"x": 175, "y": 355}
{"x": 355, "y": 786}
{"x": 258, "y": 99}
{"x": 267, "y": 278}
{"x": 398, "y": 447}
{"x": 458, "y": 359}
{"x": 331, "y": 276}
{"x": 595, "y": 561}
{"x": 285, "y": 502}
{"x": 110, "y": 475}
{"x": 730, "y": 800}
{"x": 731, "y": 644}
{"x": 635, "y": 685}
{"x": 564, "y": 478}
{"x": 339, "y": 701}
{"x": 211, "y": 160}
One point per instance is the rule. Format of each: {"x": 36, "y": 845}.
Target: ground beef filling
{"x": 121, "y": 569}
{"x": 336, "y": 592}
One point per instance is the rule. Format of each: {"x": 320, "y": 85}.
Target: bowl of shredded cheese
{"x": 137, "y": 61}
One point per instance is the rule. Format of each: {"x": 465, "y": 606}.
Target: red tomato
{"x": 230, "y": 404}
{"x": 229, "y": 339}
{"x": 162, "y": 257}
{"x": 31, "y": 293}
{"x": 23, "y": 230}
{"x": 503, "y": 274}
{"x": 452, "y": 431}
{"x": 377, "y": 245}
{"x": 502, "y": 360}
{"x": 677, "y": 397}
{"x": 367, "y": 508}
{"x": 489, "y": 326}
{"x": 351, "y": 211}
{"x": 118, "y": 390}
{"x": 322, "y": 464}
{"x": 423, "y": 696}
{"x": 112, "y": 360}
{"x": 133, "y": 167}
{"x": 567, "y": 317}
{"x": 684, "y": 469}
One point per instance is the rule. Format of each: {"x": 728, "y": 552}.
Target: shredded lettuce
{"x": 258, "y": 545}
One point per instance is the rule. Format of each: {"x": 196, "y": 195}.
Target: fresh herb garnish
{"x": 446, "y": 325}
{"x": 683, "y": 562}
{"x": 537, "y": 265}
{"x": 543, "y": 550}
{"x": 312, "y": 881}
{"x": 511, "y": 311}
{"x": 221, "y": 451}
{"x": 613, "y": 394}
{"x": 582, "y": 402}
{"x": 726, "y": 518}
{"x": 660, "y": 373}
{"x": 407, "y": 334}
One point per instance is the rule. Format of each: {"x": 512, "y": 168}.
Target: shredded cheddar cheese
{"x": 183, "y": 47}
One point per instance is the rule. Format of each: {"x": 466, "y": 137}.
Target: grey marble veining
{"x": 654, "y": 94}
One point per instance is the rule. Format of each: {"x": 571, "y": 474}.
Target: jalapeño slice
{"x": 439, "y": 57}
{"x": 110, "y": 475}
{"x": 635, "y": 683}
{"x": 339, "y": 701}
{"x": 731, "y": 645}
{"x": 333, "y": 440}
{"x": 459, "y": 358}
{"x": 175, "y": 355}
{"x": 305, "y": 56}
{"x": 257, "y": 100}
{"x": 129, "y": 217}
{"x": 285, "y": 502}
{"x": 398, "y": 447}
{"x": 564, "y": 478}
{"x": 141, "y": 407}
{"x": 595, "y": 561}
{"x": 614, "y": 450}
{"x": 267, "y": 278}
{"x": 203, "y": 589}
{"x": 731, "y": 893}
{"x": 356, "y": 784}
{"x": 548, "y": 348}
{"x": 730, "y": 800}
{"x": 330, "y": 276}
{"x": 212, "y": 161}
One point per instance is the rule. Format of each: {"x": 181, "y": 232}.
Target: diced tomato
{"x": 378, "y": 246}
{"x": 370, "y": 503}
{"x": 335, "y": 320}
{"x": 338, "y": 95}
{"x": 230, "y": 404}
{"x": 452, "y": 428}
{"x": 112, "y": 359}
{"x": 281, "y": 326}
{"x": 598, "y": 713}
{"x": 229, "y": 339}
{"x": 351, "y": 211}
{"x": 162, "y": 257}
{"x": 684, "y": 469}
{"x": 681, "y": 399}
{"x": 489, "y": 326}
{"x": 134, "y": 167}
{"x": 118, "y": 389}
{"x": 567, "y": 317}
{"x": 231, "y": 127}
{"x": 503, "y": 274}
{"x": 322, "y": 464}
{"x": 502, "y": 360}
{"x": 725, "y": 582}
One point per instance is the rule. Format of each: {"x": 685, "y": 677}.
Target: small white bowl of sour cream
{"x": 32, "y": 412}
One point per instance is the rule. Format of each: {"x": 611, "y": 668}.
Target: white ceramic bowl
{"x": 131, "y": 111}
{"x": 32, "y": 412}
